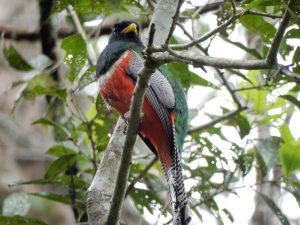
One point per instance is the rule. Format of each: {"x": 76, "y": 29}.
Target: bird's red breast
{"x": 117, "y": 87}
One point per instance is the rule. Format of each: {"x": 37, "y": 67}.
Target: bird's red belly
{"x": 117, "y": 91}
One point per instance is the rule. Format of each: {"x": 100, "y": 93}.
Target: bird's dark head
{"x": 126, "y": 30}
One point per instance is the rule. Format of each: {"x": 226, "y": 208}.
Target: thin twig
{"x": 173, "y": 25}
{"x": 91, "y": 53}
{"x": 190, "y": 37}
{"x": 232, "y": 93}
{"x": 290, "y": 74}
{"x": 273, "y": 16}
{"x": 206, "y": 36}
{"x": 217, "y": 120}
{"x": 141, "y": 175}
{"x": 248, "y": 88}
{"x": 233, "y": 7}
{"x": 272, "y": 54}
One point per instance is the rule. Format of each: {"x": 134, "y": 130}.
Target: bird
{"x": 164, "y": 123}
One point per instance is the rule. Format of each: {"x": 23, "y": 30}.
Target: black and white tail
{"x": 176, "y": 189}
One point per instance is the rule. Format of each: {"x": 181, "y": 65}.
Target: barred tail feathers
{"x": 177, "y": 195}
{"x": 176, "y": 187}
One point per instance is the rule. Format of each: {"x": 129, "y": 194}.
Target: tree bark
{"x": 101, "y": 190}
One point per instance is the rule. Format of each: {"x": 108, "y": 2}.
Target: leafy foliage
{"x": 75, "y": 56}
{"x": 216, "y": 159}
{"x": 43, "y": 85}
{"x": 282, "y": 218}
{"x": 19, "y": 220}
{"x": 289, "y": 151}
{"x": 15, "y": 60}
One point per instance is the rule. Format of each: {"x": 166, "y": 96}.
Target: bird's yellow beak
{"x": 130, "y": 28}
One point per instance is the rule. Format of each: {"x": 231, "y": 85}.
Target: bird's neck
{"x": 130, "y": 39}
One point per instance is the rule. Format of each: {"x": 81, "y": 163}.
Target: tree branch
{"x": 272, "y": 54}
{"x": 199, "y": 60}
{"x": 206, "y": 36}
{"x": 290, "y": 74}
{"x": 217, "y": 120}
{"x": 101, "y": 190}
{"x": 273, "y": 16}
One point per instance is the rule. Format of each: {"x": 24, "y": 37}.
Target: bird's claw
{"x": 126, "y": 116}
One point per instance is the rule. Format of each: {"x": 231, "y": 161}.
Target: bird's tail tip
{"x": 183, "y": 217}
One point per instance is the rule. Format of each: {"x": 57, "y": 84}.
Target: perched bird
{"x": 163, "y": 125}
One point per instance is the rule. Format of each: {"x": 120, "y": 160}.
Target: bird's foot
{"x": 126, "y": 116}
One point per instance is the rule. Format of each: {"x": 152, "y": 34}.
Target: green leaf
{"x": 262, "y": 3}
{"x": 292, "y": 99}
{"x": 296, "y": 57}
{"x": 19, "y": 220}
{"x": 293, "y": 33}
{"x": 93, "y": 7}
{"x": 290, "y": 157}
{"x": 84, "y": 6}
{"x": 228, "y": 214}
{"x": 296, "y": 60}
{"x": 43, "y": 85}
{"x": 62, "y": 180}
{"x": 60, "y": 150}
{"x": 285, "y": 48}
{"x": 289, "y": 151}
{"x": 282, "y": 218}
{"x": 15, "y": 59}
{"x": 76, "y": 54}
{"x": 258, "y": 25}
{"x": 259, "y": 98}
{"x": 16, "y": 204}
{"x": 185, "y": 77}
{"x": 45, "y": 121}
{"x": 144, "y": 198}
{"x": 286, "y": 133}
{"x": 271, "y": 118}
{"x": 253, "y": 4}
{"x": 268, "y": 150}
{"x": 54, "y": 197}
{"x": 295, "y": 89}
{"x": 87, "y": 78}
{"x": 245, "y": 162}
{"x": 60, "y": 165}
{"x": 242, "y": 123}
